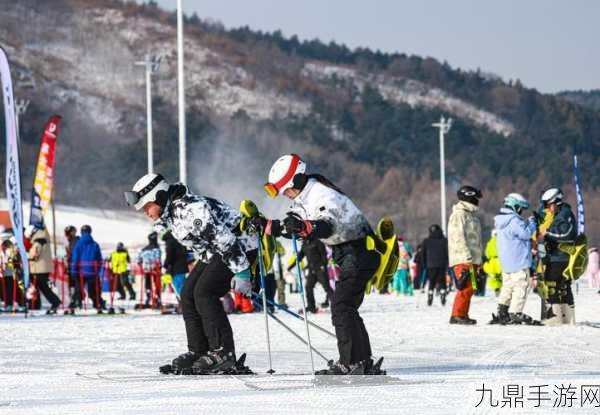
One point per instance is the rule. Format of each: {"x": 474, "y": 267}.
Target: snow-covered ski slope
{"x": 442, "y": 365}
{"x": 108, "y": 226}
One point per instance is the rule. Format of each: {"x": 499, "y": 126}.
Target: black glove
{"x": 256, "y": 223}
{"x": 294, "y": 225}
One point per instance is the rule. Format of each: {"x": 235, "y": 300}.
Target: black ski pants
{"x": 41, "y": 283}
{"x": 312, "y": 277}
{"x": 437, "y": 279}
{"x": 206, "y": 323}
{"x": 94, "y": 291}
{"x": 124, "y": 279}
{"x": 357, "y": 266}
{"x": 75, "y": 284}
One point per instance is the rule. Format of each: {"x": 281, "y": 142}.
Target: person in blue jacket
{"x": 86, "y": 263}
{"x": 513, "y": 241}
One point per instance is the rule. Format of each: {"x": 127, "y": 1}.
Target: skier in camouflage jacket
{"x": 210, "y": 228}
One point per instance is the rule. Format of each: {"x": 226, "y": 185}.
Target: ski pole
{"x": 303, "y": 295}
{"x": 296, "y": 335}
{"x": 261, "y": 268}
{"x": 298, "y": 316}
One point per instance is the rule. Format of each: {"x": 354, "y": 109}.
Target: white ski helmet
{"x": 281, "y": 176}
{"x": 145, "y": 190}
{"x": 516, "y": 202}
{"x": 552, "y": 195}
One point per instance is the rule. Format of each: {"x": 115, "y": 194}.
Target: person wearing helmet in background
{"x": 41, "y": 265}
{"x": 86, "y": 263}
{"x": 210, "y": 228}
{"x": 150, "y": 260}
{"x": 558, "y": 225}
{"x": 434, "y": 258}
{"x": 74, "y": 282}
{"x": 322, "y": 211}
{"x": 119, "y": 264}
{"x": 513, "y": 242}
{"x": 465, "y": 251}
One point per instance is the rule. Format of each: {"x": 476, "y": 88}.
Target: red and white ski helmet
{"x": 281, "y": 176}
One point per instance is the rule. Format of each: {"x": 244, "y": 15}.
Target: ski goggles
{"x": 271, "y": 190}
{"x": 131, "y": 198}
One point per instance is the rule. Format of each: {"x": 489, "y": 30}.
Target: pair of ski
{"x": 270, "y": 382}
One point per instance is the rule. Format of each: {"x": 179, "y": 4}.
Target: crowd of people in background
{"x": 522, "y": 255}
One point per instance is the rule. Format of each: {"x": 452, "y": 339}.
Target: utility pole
{"x": 444, "y": 126}
{"x": 151, "y": 63}
{"x": 181, "y": 95}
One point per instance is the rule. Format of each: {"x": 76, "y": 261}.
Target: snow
{"x": 39, "y": 358}
{"x": 413, "y": 93}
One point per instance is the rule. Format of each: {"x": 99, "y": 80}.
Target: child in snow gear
{"x": 120, "y": 267}
{"x": 513, "y": 235}
{"x": 402, "y": 283}
{"x": 561, "y": 229}
{"x": 434, "y": 258}
{"x": 464, "y": 251}
{"x": 322, "y": 211}
{"x": 150, "y": 260}
{"x": 210, "y": 228}
{"x": 10, "y": 261}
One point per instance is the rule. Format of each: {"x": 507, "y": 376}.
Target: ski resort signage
{"x": 43, "y": 180}
{"x": 13, "y": 173}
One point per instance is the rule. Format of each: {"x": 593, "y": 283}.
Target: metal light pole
{"x": 20, "y": 108}
{"x": 181, "y": 95}
{"x": 444, "y": 126}
{"x": 151, "y": 63}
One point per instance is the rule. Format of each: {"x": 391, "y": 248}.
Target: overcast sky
{"x": 550, "y": 45}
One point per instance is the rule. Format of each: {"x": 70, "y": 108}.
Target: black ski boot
{"x": 502, "y": 317}
{"x": 443, "y": 297}
{"x": 181, "y": 365}
{"x": 338, "y": 368}
{"x": 111, "y": 310}
{"x": 52, "y": 310}
{"x": 324, "y": 304}
{"x": 462, "y": 320}
{"x": 430, "y": 298}
{"x": 214, "y": 361}
{"x": 521, "y": 318}
{"x": 374, "y": 368}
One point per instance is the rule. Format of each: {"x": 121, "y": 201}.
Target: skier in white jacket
{"x": 320, "y": 210}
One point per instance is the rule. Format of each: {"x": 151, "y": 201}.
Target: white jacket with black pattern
{"x": 208, "y": 227}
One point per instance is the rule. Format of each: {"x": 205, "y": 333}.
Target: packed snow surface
{"x": 55, "y": 364}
